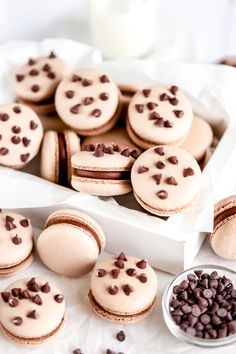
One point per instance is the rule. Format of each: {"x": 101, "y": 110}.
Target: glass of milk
{"x": 123, "y": 28}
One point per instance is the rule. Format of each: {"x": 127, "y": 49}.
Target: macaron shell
{"x": 145, "y": 128}
{"x": 116, "y": 136}
{"x": 47, "y": 85}
{"x": 223, "y": 240}
{"x": 51, "y": 314}
{"x": 180, "y": 196}
{"x": 199, "y": 138}
{"x": 14, "y": 254}
{"x": 84, "y": 120}
{"x": 22, "y": 120}
{"x": 49, "y": 165}
{"x": 137, "y": 301}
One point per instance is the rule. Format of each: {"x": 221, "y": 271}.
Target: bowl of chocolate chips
{"x": 199, "y": 306}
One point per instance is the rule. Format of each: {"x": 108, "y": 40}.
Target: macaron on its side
{"x": 38, "y": 79}
{"x": 165, "y": 180}
{"x": 199, "y": 138}
{"x": 16, "y": 243}
{"x": 104, "y": 171}
{"x": 21, "y": 135}
{"x": 49, "y": 165}
{"x": 70, "y": 243}
{"x": 123, "y": 289}
{"x": 88, "y": 101}
{"x": 32, "y": 311}
{"x": 222, "y": 239}
{"x": 159, "y": 115}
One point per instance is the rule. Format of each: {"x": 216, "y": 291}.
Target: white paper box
{"x": 171, "y": 244}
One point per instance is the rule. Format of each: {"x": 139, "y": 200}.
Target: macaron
{"x": 123, "y": 289}
{"x": 57, "y": 150}
{"x": 103, "y": 171}
{"x": 116, "y": 136}
{"x": 70, "y": 243}
{"x": 166, "y": 180}
{"x": 32, "y": 311}
{"x": 38, "y": 79}
{"x": 21, "y": 133}
{"x": 159, "y": 115}
{"x": 223, "y": 237}
{"x": 199, "y": 139}
{"x": 88, "y": 101}
{"x": 16, "y": 243}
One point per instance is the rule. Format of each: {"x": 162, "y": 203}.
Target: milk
{"x": 123, "y": 28}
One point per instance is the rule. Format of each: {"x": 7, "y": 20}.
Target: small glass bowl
{"x": 174, "y": 328}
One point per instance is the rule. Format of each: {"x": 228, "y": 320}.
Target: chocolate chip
{"x": 24, "y": 157}
{"x": 10, "y": 225}
{"x": 101, "y": 146}
{"x": 151, "y": 105}
{"x": 159, "y": 150}
{"x": 98, "y": 152}
{"x": 146, "y": 92}
{"x": 104, "y": 96}
{"x": 33, "y": 125}
{"x": 96, "y": 113}
{"x": 24, "y": 222}
{"x": 142, "y": 169}
{"x": 5, "y": 296}
{"x": 26, "y": 141}
{"x": 13, "y": 302}
{"x": 168, "y": 124}
{"x": 16, "y": 292}
{"x": 142, "y": 264}
{"x": 75, "y": 109}
{"x": 159, "y": 122}
{"x": 59, "y": 298}
{"x": 25, "y": 294}
{"x": 9, "y": 218}
{"x": 16, "y": 109}
{"x": 125, "y": 152}
{"x": 88, "y": 101}
{"x": 116, "y": 148}
{"x": 46, "y": 67}
{"x": 139, "y": 108}
{"x": 17, "y": 321}
{"x": 104, "y": 79}
{"x": 122, "y": 257}
{"x": 162, "y": 194}
{"x": 16, "y": 129}
{"x": 33, "y": 72}
{"x": 222, "y": 312}
{"x": 15, "y": 140}
{"x": 113, "y": 290}
{"x": 33, "y": 314}
{"x": 45, "y": 288}
{"x": 119, "y": 263}
{"x": 154, "y": 116}
{"x": 131, "y": 272}
{"x": 101, "y": 273}
{"x": 157, "y": 178}
{"x": 77, "y": 351}
{"x": 232, "y": 327}
{"x": 4, "y": 117}
{"x": 108, "y": 150}
{"x": 178, "y": 113}
{"x": 70, "y": 94}
{"x": 128, "y": 289}
{"x": 20, "y": 77}
{"x": 120, "y": 336}
{"x": 205, "y": 319}
{"x": 115, "y": 273}
{"x": 198, "y": 273}
{"x": 207, "y": 293}
{"x": 174, "y": 89}
{"x": 142, "y": 278}
{"x": 86, "y": 82}
{"x": 31, "y": 61}
{"x": 196, "y": 311}
{"x": 16, "y": 240}
{"x": 52, "y": 55}
{"x": 164, "y": 97}
{"x": 75, "y": 78}
{"x": 173, "y": 160}
{"x": 51, "y": 75}
{"x": 109, "y": 351}
{"x": 172, "y": 181}
{"x": 160, "y": 165}
{"x": 174, "y": 101}
{"x": 188, "y": 172}
{"x": 35, "y": 88}
{"x": 135, "y": 154}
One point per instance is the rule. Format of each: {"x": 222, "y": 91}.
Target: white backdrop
{"x": 210, "y": 24}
